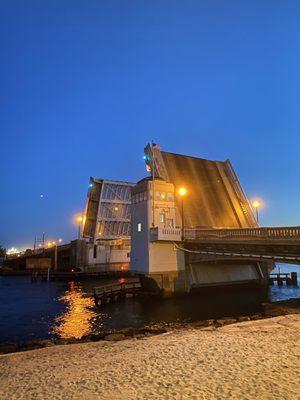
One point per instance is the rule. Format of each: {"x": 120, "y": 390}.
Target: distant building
{"x": 107, "y": 224}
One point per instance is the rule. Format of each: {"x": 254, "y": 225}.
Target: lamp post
{"x": 55, "y": 256}
{"x": 79, "y": 220}
{"x": 256, "y": 205}
{"x": 182, "y": 192}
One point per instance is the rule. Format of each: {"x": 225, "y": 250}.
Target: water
{"x": 285, "y": 292}
{"x": 58, "y": 309}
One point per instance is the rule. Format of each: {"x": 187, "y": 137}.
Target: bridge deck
{"x": 280, "y": 244}
{"x": 283, "y": 234}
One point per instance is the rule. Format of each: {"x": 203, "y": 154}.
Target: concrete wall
{"x": 78, "y": 253}
{"x": 222, "y": 273}
{"x": 164, "y": 257}
{"x": 167, "y": 267}
{"x": 107, "y": 254}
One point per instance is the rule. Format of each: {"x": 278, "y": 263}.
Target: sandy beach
{"x": 249, "y": 360}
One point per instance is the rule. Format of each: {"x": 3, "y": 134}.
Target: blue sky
{"x": 86, "y": 84}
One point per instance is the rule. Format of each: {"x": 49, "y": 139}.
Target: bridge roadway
{"x": 280, "y": 244}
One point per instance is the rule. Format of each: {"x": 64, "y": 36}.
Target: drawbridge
{"x": 217, "y": 231}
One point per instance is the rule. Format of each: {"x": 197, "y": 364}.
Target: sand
{"x": 249, "y": 360}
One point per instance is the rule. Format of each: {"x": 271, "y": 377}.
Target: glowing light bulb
{"x": 182, "y": 191}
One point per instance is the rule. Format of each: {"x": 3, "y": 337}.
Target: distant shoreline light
{"x": 12, "y": 250}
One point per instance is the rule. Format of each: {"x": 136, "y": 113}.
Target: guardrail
{"x": 283, "y": 233}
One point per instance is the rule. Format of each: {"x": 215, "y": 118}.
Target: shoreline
{"x": 269, "y": 310}
{"x": 256, "y": 359}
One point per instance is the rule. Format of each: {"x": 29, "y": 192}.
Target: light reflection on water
{"x": 77, "y": 320}
{"x": 59, "y": 309}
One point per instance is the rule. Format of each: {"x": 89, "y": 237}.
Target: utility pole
{"x": 182, "y": 192}
{"x": 55, "y": 258}
{"x": 182, "y": 232}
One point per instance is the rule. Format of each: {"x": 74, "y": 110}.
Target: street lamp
{"x": 182, "y": 192}
{"x": 256, "y": 204}
{"x": 79, "y": 220}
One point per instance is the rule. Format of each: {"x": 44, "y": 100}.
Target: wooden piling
{"x": 294, "y": 278}
{"x": 279, "y": 280}
{"x": 271, "y": 281}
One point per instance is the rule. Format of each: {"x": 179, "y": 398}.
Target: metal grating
{"x": 108, "y": 210}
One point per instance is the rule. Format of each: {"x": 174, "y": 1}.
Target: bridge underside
{"x": 182, "y": 271}
{"x": 199, "y": 273}
{"x": 231, "y": 257}
{"x": 241, "y": 251}
{"x": 211, "y": 263}
{"x": 223, "y": 273}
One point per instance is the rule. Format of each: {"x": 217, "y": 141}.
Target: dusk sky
{"x": 86, "y": 84}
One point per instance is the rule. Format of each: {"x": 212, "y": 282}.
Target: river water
{"x": 64, "y": 310}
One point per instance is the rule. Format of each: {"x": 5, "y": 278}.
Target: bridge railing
{"x": 168, "y": 234}
{"x": 288, "y": 233}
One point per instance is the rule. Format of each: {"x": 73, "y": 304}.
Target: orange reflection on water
{"x": 76, "y": 321}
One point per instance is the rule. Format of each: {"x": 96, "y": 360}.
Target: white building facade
{"x": 153, "y": 231}
{"x": 107, "y": 224}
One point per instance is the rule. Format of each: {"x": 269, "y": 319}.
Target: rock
{"x": 256, "y": 316}
{"x": 46, "y": 343}
{"x": 273, "y": 313}
{"x": 86, "y": 338}
{"x": 154, "y": 331}
{"x": 243, "y": 318}
{"x": 127, "y": 331}
{"x": 205, "y": 323}
{"x": 225, "y": 321}
{"x": 31, "y": 345}
{"x": 8, "y": 347}
{"x": 139, "y": 336}
{"x": 97, "y": 337}
{"x": 284, "y": 307}
{"x": 60, "y": 341}
{"x": 72, "y": 340}
{"x": 115, "y": 337}
{"x": 208, "y": 328}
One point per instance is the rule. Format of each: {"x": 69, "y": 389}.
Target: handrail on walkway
{"x": 289, "y": 232}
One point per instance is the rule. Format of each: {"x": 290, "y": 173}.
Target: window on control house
{"x": 162, "y": 217}
{"x": 170, "y": 196}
